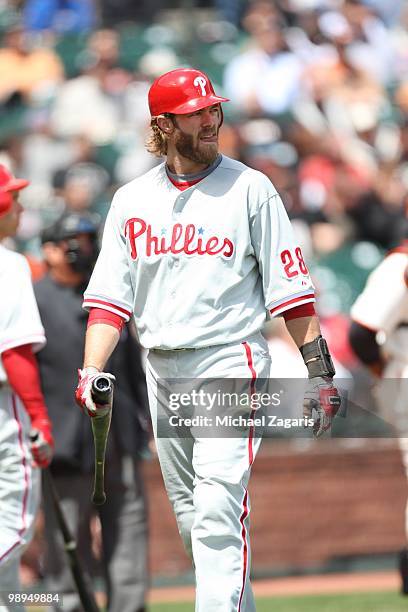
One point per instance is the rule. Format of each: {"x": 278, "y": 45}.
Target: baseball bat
{"x": 78, "y": 574}
{"x": 102, "y": 394}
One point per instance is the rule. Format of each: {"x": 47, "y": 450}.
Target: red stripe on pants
{"x": 25, "y": 467}
{"x": 245, "y": 511}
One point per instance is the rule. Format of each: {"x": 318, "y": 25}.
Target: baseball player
{"x": 379, "y": 337}
{"x": 25, "y": 431}
{"x": 197, "y": 250}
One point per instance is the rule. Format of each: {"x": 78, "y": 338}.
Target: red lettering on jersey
{"x": 188, "y": 239}
{"x": 152, "y": 242}
{"x": 175, "y": 237}
{"x": 290, "y": 265}
{"x": 200, "y": 249}
{"x": 182, "y": 240}
{"x": 230, "y": 247}
{"x": 212, "y": 245}
{"x": 130, "y": 229}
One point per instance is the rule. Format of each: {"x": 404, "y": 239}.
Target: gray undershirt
{"x": 186, "y": 178}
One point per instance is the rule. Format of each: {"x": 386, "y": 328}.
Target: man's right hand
{"x": 42, "y": 442}
{"x": 83, "y": 393}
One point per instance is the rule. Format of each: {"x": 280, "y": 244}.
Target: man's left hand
{"x": 321, "y": 402}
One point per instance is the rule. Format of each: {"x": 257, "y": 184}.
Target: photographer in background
{"x": 70, "y": 248}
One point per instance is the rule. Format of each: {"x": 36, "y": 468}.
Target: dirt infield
{"x": 304, "y": 585}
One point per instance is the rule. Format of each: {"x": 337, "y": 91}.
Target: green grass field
{"x": 361, "y": 602}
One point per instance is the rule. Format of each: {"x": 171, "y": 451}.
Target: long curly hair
{"x": 156, "y": 141}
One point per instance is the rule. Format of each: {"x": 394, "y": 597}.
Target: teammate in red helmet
{"x": 9, "y": 188}
{"x": 25, "y": 431}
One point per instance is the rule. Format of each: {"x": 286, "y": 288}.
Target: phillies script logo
{"x": 178, "y": 239}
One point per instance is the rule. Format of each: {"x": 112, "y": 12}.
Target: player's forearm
{"x": 100, "y": 342}
{"x": 23, "y": 376}
{"x": 364, "y": 343}
{"x": 303, "y": 329}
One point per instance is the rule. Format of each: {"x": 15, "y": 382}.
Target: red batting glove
{"x": 321, "y": 402}
{"x": 83, "y": 393}
{"x": 42, "y": 442}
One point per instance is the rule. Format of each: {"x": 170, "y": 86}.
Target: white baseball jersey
{"x": 383, "y": 305}
{"x": 198, "y": 267}
{"x": 19, "y": 482}
{"x": 383, "y": 308}
{"x": 20, "y": 321}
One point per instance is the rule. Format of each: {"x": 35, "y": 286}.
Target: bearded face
{"x": 200, "y": 147}
{"x": 195, "y": 150}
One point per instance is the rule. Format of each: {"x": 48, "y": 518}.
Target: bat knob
{"x": 102, "y": 389}
{"x": 103, "y": 384}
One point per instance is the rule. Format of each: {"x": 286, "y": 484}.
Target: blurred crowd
{"x": 319, "y": 103}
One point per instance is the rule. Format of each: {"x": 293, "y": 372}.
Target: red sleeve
{"x": 98, "y": 315}
{"x": 305, "y": 310}
{"x": 22, "y": 372}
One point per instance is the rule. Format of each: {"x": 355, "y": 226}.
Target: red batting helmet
{"x": 182, "y": 91}
{"x": 8, "y": 183}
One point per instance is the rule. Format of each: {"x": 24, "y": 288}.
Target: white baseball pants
{"x": 19, "y": 490}
{"x": 207, "y": 478}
